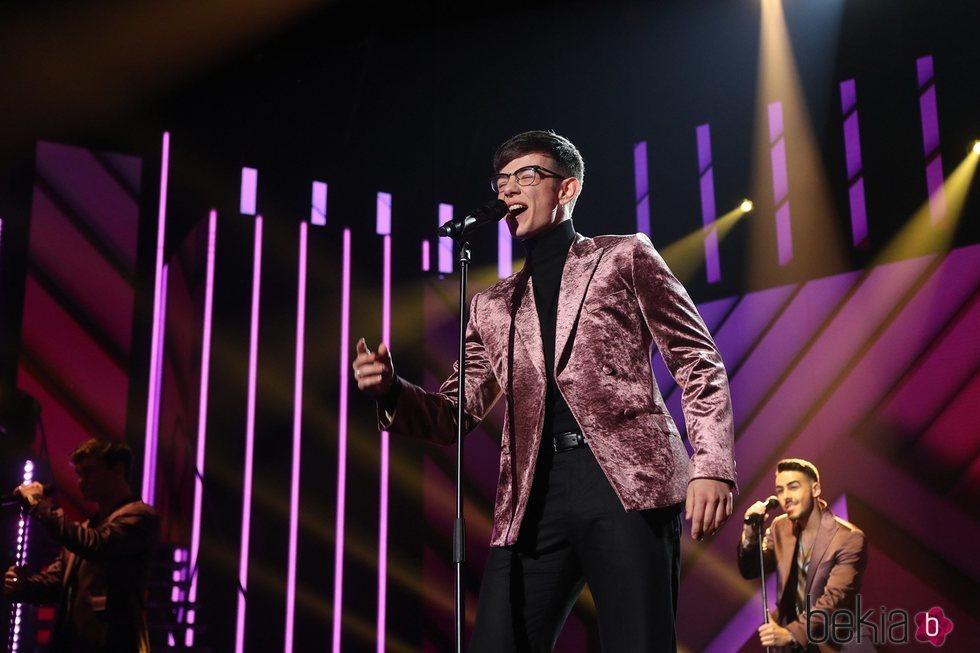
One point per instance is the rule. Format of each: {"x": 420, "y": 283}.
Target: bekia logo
{"x": 881, "y": 627}
{"x": 932, "y": 626}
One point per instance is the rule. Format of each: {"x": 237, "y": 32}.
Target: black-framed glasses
{"x": 526, "y": 176}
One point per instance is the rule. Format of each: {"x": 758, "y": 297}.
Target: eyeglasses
{"x": 526, "y": 176}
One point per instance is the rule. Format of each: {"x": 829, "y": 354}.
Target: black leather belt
{"x": 568, "y": 441}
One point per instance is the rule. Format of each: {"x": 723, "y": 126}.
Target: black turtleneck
{"x": 546, "y": 256}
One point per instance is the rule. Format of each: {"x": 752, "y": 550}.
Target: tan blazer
{"x": 617, "y": 300}
{"x": 833, "y": 579}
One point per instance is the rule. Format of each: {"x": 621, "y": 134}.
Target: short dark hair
{"x": 798, "y": 465}
{"x": 559, "y": 148}
{"x": 109, "y": 452}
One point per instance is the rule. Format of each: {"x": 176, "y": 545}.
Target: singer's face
{"x": 535, "y": 209}
{"x": 797, "y": 493}
{"x": 95, "y": 479}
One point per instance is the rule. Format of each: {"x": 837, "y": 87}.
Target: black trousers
{"x": 575, "y": 532}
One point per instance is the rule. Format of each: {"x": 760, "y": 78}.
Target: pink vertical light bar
{"x": 708, "y": 211}
{"x": 156, "y": 338}
{"x": 855, "y": 167}
{"x": 780, "y": 183}
{"x": 23, "y": 528}
{"x": 250, "y": 182}
{"x": 253, "y": 356}
{"x": 930, "y": 138}
{"x": 641, "y": 181}
{"x": 318, "y": 210}
{"x": 151, "y": 485}
{"x": 445, "y": 244}
{"x": 385, "y": 440}
{"x": 338, "y": 560}
{"x": 297, "y": 440}
{"x": 426, "y": 256}
{"x": 383, "y": 223}
{"x": 505, "y": 253}
{"x": 202, "y": 421}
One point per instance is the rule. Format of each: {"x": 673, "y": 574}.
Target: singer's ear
{"x": 815, "y": 489}
{"x": 568, "y": 190}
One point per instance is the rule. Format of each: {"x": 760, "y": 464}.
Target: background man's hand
{"x": 771, "y": 634}
{"x": 10, "y": 579}
{"x": 373, "y": 371}
{"x": 32, "y": 492}
{"x": 708, "y": 506}
{"x": 748, "y": 530}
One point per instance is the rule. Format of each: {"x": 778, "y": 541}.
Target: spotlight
{"x": 976, "y": 147}
{"x": 746, "y": 206}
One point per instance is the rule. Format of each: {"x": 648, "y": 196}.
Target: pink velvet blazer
{"x": 617, "y": 300}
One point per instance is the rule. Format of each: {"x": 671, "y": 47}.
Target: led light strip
{"x": 253, "y": 355}
{"x": 297, "y": 439}
{"x": 156, "y": 339}
{"x": 338, "y": 561}
{"x": 23, "y": 527}
{"x": 202, "y": 421}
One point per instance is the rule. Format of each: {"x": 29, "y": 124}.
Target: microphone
{"x": 771, "y": 502}
{"x": 486, "y": 214}
{"x": 13, "y": 499}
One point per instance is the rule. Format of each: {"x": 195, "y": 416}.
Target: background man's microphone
{"x": 486, "y": 214}
{"x": 771, "y": 502}
{"x": 13, "y": 499}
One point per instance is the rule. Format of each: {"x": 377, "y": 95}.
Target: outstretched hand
{"x": 708, "y": 506}
{"x": 373, "y": 371}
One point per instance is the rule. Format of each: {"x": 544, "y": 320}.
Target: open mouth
{"x": 516, "y": 209}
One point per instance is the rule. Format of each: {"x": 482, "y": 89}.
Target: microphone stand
{"x": 762, "y": 573}
{"x": 459, "y": 526}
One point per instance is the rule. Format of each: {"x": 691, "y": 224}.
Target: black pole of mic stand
{"x": 459, "y": 526}
{"x": 762, "y": 574}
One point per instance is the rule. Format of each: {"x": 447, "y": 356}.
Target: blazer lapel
{"x": 828, "y": 528}
{"x": 525, "y": 317}
{"x": 583, "y": 257}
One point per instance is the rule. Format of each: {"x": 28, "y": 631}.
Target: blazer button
{"x": 629, "y": 413}
{"x": 608, "y": 370}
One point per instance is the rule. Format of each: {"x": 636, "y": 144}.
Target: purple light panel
{"x": 385, "y": 453}
{"x": 445, "y": 244}
{"x": 426, "y": 256}
{"x": 383, "y": 222}
{"x": 156, "y": 338}
{"x": 250, "y": 182}
{"x": 297, "y": 440}
{"x": 709, "y": 212}
{"x": 338, "y": 560}
{"x": 930, "y": 138}
{"x": 641, "y": 181}
{"x": 780, "y": 183}
{"x": 318, "y": 210}
{"x": 253, "y": 356}
{"x": 505, "y": 254}
{"x": 202, "y": 422}
{"x": 855, "y": 169}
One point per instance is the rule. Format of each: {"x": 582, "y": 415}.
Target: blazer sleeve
{"x": 839, "y": 592}
{"x": 432, "y": 415}
{"x": 129, "y": 533}
{"x": 693, "y": 360}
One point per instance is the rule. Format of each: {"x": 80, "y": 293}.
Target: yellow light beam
{"x": 919, "y": 236}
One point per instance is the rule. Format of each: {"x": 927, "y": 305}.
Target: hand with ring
{"x": 373, "y": 371}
